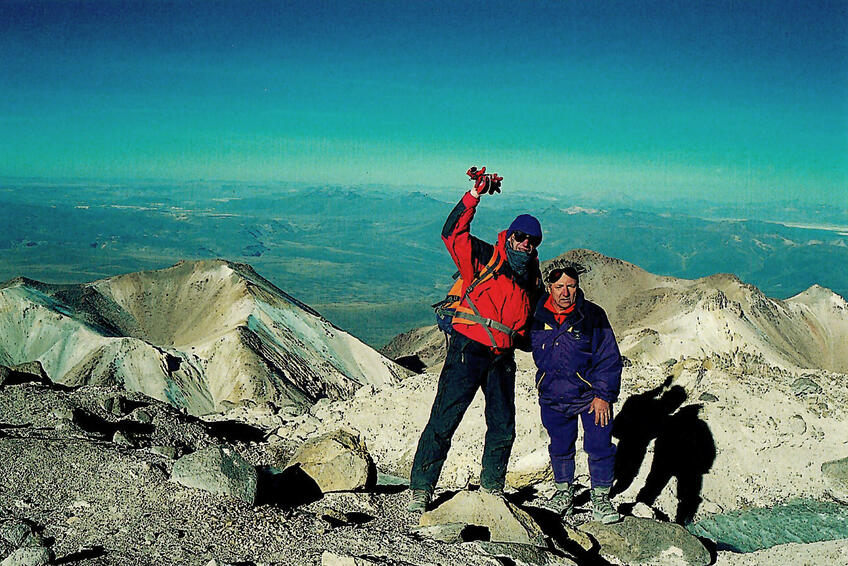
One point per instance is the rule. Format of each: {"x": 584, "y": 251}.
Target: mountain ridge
{"x": 200, "y": 335}
{"x": 658, "y": 317}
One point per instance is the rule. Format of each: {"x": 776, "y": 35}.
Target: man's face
{"x": 521, "y": 242}
{"x": 564, "y": 291}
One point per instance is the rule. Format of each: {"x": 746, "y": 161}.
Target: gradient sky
{"x": 731, "y": 100}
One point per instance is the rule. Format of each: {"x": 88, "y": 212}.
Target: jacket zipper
{"x": 583, "y": 380}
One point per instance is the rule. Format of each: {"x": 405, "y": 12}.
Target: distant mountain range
{"x": 371, "y": 259}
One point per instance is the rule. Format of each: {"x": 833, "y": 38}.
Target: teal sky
{"x": 724, "y": 100}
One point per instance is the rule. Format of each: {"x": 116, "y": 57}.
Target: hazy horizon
{"x": 372, "y": 260}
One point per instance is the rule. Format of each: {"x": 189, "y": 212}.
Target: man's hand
{"x": 481, "y": 186}
{"x": 484, "y": 182}
{"x": 602, "y": 411}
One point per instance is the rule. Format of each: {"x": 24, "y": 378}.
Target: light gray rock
{"x": 218, "y": 470}
{"x": 144, "y": 417}
{"x": 707, "y": 398}
{"x": 332, "y": 559}
{"x": 337, "y": 461}
{"x": 837, "y": 472}
{"x": 121, "y": 439}
{"x": 388, "y": 479}
{"x": 532, "y": 469}
{"x": 643, "y": 511}
{"x": 797, "y": 425}
{"x": 115, "y": 405}
{"x": 522, "y": 554}
{"x": 505, "y": 521}
{"x": 448, "y": 532}
{"x": 805, "y": 386}
{"x": 28, "y": 556}
{"x": 14, "y": 533}
{"x": 643, "y": 541}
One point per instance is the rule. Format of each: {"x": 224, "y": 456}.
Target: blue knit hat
{"x": 527, "y": 224}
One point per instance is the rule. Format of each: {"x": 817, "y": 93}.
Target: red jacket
{"x": 505, "y": 298}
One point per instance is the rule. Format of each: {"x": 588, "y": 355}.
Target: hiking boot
{"x": 419, "y": 500}
{"x": 563, "y": 500}
{"x": 602, "y": 509}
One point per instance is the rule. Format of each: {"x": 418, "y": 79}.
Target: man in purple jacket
{"x": 579, "y": 375}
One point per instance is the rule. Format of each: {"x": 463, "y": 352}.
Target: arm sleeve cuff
{"x": 470, "y": 200}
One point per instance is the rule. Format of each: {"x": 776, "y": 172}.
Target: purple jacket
{"x": 578, "y": 360}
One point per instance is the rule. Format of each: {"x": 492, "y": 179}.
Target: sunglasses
{"x": 573, "y": 271}
{"x": 521, "y": 236}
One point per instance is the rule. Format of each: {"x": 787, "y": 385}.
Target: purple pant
{"x": 560, "y": 420}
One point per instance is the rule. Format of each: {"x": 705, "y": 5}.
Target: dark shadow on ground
{"x": 285, "y": 488}
{"x": 234, "y": 431}
{"x": 388, "y": 489}
{"x": 9, "y": 426}
{"x": 412, "y": 363}
{"x": 683, "y": 447}
{"x": 96, "y": 425}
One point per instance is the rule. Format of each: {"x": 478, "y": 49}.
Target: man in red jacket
{"x": 491, "y": 318}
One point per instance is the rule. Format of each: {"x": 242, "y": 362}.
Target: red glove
{"x": 483, "y": 182}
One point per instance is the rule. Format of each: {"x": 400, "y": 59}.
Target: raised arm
{"x": 467, "y": 251}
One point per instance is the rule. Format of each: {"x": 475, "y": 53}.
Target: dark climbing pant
{"x": 560, "y": 420}
{"x": 469, "y": 366}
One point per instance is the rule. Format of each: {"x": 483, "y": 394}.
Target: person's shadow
{"x": 684, "y": 447}
{"x": 640, "y": 420}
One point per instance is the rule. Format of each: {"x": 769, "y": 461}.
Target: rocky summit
{"x": 199, "y": 416}
{"x": 202, "y": 336}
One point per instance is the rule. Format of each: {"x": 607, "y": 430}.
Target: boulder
{"x": 837, "y": 472}
{"x": 578, "y": 537}
{"x": 217, "y": 470}
{"x": 122, "y": 439}
{"x": 644, "y": 541}
{"x": 530, "y": 470}
{"x": 805, "y": 386}
{"x": 797, "y": 425}
{"x": 643, "y": 511}
{"x": 115, "y": 405}
{"x": 505, "y": 521}
{"x": 144, "y": 417}
{"x": 756, "y": 528}
{"x": 337, "y": 461}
